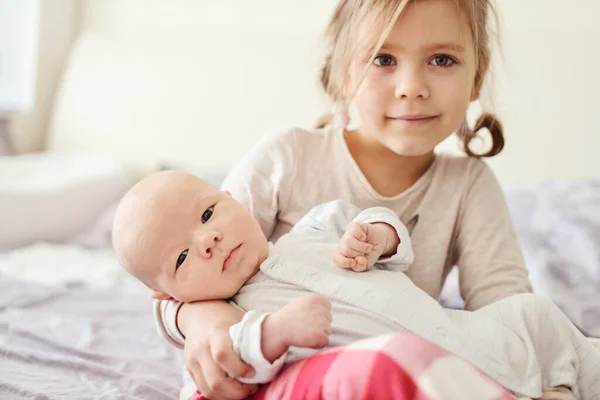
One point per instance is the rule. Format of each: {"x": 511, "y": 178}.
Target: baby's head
{"x": 185, "y": 239}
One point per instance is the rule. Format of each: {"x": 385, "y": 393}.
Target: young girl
{"x": 410, "y": 69}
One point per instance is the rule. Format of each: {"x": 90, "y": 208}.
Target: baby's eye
{"x": 384, "y": 60}
{"x": 207, "y": 214}
{"x": 181, "y": 258}
{"x": 442, "y": 61}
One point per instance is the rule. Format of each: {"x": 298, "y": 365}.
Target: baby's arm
{"x": 363, "y": 244}
{"x": 376, "y": 235}
{"x": 262, "y": 340}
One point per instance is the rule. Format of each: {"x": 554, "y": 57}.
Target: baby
{"x": 189, "y": 241}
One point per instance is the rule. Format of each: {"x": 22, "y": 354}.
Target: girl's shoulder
{"x": 462, "y": 168}
{"x": 297, "y": 138}
{"x": 465, "y": 177}
{"x": 281, "y": 152}
{"x": 295, "y": 145}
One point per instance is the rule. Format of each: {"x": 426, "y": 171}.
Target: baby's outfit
{"x": 524, "y": 342}
{"x": 246, "y": 338}
{"x": 246, "y": 335}
{"x": 508, "y": 340}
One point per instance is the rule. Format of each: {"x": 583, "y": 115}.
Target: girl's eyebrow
{"x": 455, "y": 47}
{"x": 446, "y": 46}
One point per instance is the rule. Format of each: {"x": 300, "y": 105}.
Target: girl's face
{"x": 417, "y": 92}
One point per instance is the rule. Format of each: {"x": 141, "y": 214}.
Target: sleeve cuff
{"x": 165, "y": 314}
{"x": 404, "y": 254}
{"x": 246, "y": 337}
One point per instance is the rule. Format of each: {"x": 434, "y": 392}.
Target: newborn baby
{"x": 189, "y": 241}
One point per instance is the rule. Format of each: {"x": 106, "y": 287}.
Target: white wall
{"x": 190, "y": 80}
{"x": 547, "y": 89}
{"x": 19, "y": 23}
{"x": 58, "y": 23}
{"x": 255, "y": 66}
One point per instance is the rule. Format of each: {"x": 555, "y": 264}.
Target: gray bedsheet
{"x": 558, "y": 223}
{"x": 66, "y": 342}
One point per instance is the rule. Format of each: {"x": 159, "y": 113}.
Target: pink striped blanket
{"x": 395, "y": 367}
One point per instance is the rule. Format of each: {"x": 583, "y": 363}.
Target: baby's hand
{"x": 363, "y": 244}
{"x": 305, "y": 322}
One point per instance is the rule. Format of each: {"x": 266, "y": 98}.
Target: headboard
{"x": 147, "y": 101}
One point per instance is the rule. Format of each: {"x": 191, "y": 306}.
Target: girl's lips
{"x": 417, "y": 119}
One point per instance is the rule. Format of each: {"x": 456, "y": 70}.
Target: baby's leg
{"x": 564, "y": 355}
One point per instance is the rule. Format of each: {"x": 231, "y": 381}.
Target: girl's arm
{"x": 489, "y": 258}
{"x": 263, "y": 180}
{"x": 209, "y": 354}
{"x": 257, "y": 182}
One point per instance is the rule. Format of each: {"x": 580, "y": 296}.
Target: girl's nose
{"x": 412, "y": 83}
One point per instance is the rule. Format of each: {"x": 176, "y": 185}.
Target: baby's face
{"x": 195, "y": 242}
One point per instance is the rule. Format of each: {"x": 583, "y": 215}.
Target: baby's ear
{"x": 227, "y": 192}
{"x": 155, "y": 294}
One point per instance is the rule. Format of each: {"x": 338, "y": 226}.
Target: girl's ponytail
{"x": 324, "y": 120}
{"x": 486, "y": 121}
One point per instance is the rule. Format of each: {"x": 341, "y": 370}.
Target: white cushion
{"x": 46, "y": 197}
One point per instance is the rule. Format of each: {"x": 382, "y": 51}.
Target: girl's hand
{"x": 213, "y": 364}
{"x": 363, "y": 244}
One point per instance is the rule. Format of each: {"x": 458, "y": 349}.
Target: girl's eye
{"x": 442, "y": 61}
{"x": 384, "y": 60}
{"x": 207, "y": 214}
{"x": 181, "y": 258}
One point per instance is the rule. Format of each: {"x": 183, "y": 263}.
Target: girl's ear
{"x": 410, "y": 226}
{"x": 155, "y": 294}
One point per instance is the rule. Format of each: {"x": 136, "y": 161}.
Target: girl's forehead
{"x": 423, "y": 21}
{"x": 432, "y": 18}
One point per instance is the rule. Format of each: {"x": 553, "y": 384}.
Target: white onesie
{"x": 246, "y": 338}
{"x": 524, "y": 342}
{"x": 246, "y": 335}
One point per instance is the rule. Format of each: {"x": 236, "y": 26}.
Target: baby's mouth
{"x": 228, "y": 256}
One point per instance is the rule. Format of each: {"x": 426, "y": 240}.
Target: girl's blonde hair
{"x": 343, "y": 43}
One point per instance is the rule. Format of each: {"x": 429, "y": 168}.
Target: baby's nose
{"x": 208, "y": 242}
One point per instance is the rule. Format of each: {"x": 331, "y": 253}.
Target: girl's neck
{"x": 388, "y": 173}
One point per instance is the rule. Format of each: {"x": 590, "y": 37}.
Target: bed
{"x": 70, "y": 341}
{"x": 74, "y": 326}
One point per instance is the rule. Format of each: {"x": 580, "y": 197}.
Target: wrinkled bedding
{"x": 73, "y": 341}
{"x": 558, "y": 223}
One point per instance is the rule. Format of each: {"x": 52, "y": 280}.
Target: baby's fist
{"x": 307, "y": 321}
{"x": 355, "y": 252}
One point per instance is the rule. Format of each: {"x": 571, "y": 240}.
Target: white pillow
{"x": 214, "y": 176}
{"x": 47, "y": 197}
